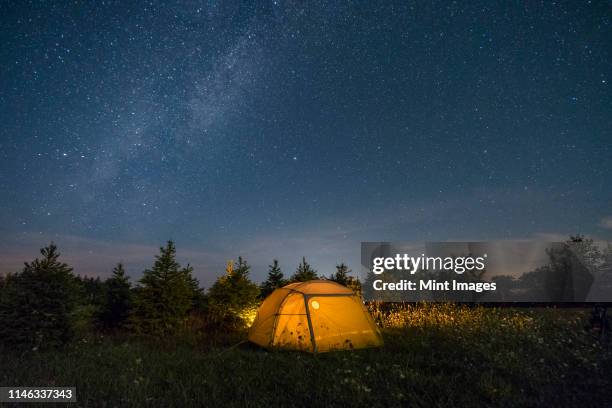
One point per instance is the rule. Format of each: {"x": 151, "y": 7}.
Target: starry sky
{"x": 280, "y": 129}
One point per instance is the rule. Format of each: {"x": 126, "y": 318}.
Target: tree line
{"x": 46, "y": 304}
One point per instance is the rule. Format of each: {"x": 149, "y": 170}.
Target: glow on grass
{"x": 427, "y": 315}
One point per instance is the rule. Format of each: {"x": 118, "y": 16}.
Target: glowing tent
{"x": 315, "y": 316}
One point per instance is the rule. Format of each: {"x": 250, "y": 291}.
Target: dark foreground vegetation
{"x": 166, "y": 342}
{"x": 434, "y": 355}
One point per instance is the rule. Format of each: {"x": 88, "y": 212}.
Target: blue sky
{"x": 276, "y": 130}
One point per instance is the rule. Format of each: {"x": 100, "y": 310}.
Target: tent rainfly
{"x": 314, "y": 316}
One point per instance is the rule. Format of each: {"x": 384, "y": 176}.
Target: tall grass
{"x": 434, "y": 355}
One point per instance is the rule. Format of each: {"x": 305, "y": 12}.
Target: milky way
{"x": 276, "y": 130}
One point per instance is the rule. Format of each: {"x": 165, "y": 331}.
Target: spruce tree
{"x": 586, "y": 250}
{"x": 304, "y": 272}
{"x": 118, "y": 300}
{"x": 93, "y": 289}
{"x": 342, "y": 277}
{"x": 233, "y": 295}
{"x": 165, "y": 294}
{"x": 37, "y": 306}
{"x": 606, "y": 266}
{"x": 275, "y": 280}
{"x": 197, "y": 293}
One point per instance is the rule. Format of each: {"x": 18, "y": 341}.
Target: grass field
{"x": 434, "y": 355}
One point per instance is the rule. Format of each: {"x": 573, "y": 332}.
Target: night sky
{"x": 279, "y": 129}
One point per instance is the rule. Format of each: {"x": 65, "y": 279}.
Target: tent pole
{"x": 312, "y": 337}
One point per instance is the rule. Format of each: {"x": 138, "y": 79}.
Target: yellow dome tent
{"x": 314, "y": 316}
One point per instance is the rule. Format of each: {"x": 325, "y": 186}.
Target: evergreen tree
{"x": 93, "y": 289}
{"x": 165, "y": 294}
{"x": 241, "y": 268}
{"x": 91, "y": 301}
{"x": 198, "y": 296}
{"x": 304, "y": 272}
{"x": 233, "y": 295}
{"x": 342, "y": 277}
{"x": 275, "y": 280}
{"x": 586, "y": 250}
{"x": 569, "y": 274}
{"x": 606, "y": 267}
{"x": 37, "y": 306}
{"x": 118, "y": 300}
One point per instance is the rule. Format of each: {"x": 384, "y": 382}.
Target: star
{"x": 188, "y": 122}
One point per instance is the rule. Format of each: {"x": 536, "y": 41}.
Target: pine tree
{"x": 342, "y": 277}
{"x": 569, "y": 274}
{"x": 118, "y": 300}
{"x": 92, "y": 299}
{"x": 304, "y": 272}
{"x": 93, "y": 289}
{"x": 606, "y": 266}
{"x": 37, "y": 306}
{"x": 241, "y": 268}
{"x": 233, "y": 295}
{"x": 165, "y": 294}
{"x": 197, "y": 299}
{"x": 586, "y": 250}
{"x": 275, "y": 280}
